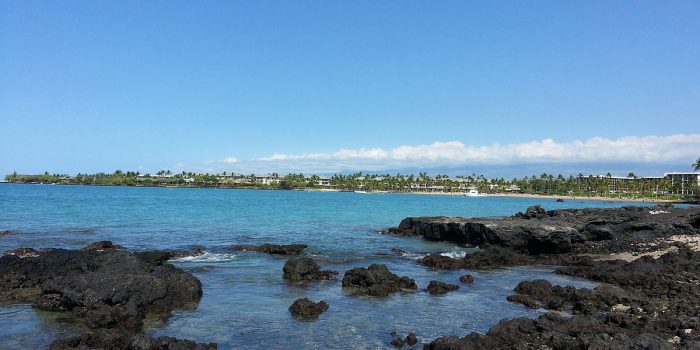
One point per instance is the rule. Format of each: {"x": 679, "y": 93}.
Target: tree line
{"x": 544, "y": 184}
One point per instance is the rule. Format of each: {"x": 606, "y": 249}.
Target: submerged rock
{"x": 399, "y": 342}
{"x": 466, "y": 279}
{"x": 279, "y": 249}
{"x": 305, "y": 269}
{"x": 441, "y": 288}
{"x": 119, "y": 339}
{"x": 105, "y": 288}
{"x": 307, "y": 309}
{"x": 376, "y": 280}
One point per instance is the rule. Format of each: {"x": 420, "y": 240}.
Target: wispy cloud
{"x": 230, "y": 160}
{"x": 635, "y": 149}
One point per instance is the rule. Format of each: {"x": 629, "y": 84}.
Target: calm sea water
{"x": 245, "y": 298}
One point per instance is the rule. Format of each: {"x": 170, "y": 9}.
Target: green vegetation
{"x": 631, "y": 186}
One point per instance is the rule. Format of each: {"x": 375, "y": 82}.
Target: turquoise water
{"x": 245, "y": 299}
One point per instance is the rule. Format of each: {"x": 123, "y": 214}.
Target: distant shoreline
{"x": 547, "y": 196}
{"x": 456, "y": 194}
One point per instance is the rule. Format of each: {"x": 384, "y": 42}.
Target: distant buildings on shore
{"x": 675, "y": 183}
{"x": 678, "y": 182}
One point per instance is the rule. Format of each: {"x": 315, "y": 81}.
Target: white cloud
{"x": 635, "y": 149}
{"x": 230, "y": 160}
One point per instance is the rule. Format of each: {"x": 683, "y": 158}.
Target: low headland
{"x": 646, "y": 259}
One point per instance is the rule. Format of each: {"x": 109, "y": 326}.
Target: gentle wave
{"x": 207, "y": 257}
{"x": 455, "y": 253}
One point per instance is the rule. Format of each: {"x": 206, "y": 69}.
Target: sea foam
{"x": 207, "y": 257}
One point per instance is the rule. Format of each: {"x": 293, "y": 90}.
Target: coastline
{"x": 545, "y": 196}
{"x": 458, "y": 194}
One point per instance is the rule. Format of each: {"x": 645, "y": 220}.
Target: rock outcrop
{"x": 557, "y": 231}
{"x": 307, "y": 309}
{"x": 305, "y": 269}
{"x": 399, "y": 342}
{"x": 119, "y": 339}
{"x": 441, "y": 288}
{"x": 376, "y": 280}
{"x": 107, "y": 288}
{"x": 552, "y": 331}
{"x": 466, "y": 279}
{"x": 645, "y": 304}
{"x": 278, "y": 249}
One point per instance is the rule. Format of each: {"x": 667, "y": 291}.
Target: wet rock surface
{"x": 552, "y": 331}
{"x": 441, "y": 288}
{"x": 537, "y": 231}
{"x": 102, "y": 286}
{"x": 101, "y": 245}
{"x": 644, "y": 304}
{"x": 119, "y": 339}
{"x": 376, "y": 280}
{"x": 278, "y": 249}
{"x": 22, "y": 252}
{"x": 651, "y": 302}
{"x": 305, "y": 269}
{"x": 399, "y": 342}
{"x": 307, "y": 309}
{"x": 466, "y": 279}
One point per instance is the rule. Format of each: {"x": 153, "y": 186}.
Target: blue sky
{"x": 331, "y": 85}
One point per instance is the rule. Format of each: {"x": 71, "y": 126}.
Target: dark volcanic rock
{"x": 305, "y": 269}
{"x": 280, "y": 249}
{"x": 108, "y": 288}
{"x": 653, "y": 304}
{"x": 533, "y": 212}
{"x": 411, "y": 339}
{"x": 558, "y": 231}
{"x": 466, "y": 279}
{"x": 551, "y": 331}
{"x": 441, "y": 288}
{"x": 485, "y": 258}
{"x": 398, "y": 251}
{"x": 376, "y": 280}
{"x": 101, "y": 245}
{"x": 307, "y": 309}
{"x": 22, "y": 253}
{"x": 117, "y": 339}
{"x": 159, "y": 257}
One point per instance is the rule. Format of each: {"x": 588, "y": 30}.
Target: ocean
{"x": 245, "y": 302}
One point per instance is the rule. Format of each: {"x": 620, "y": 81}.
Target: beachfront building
{"x": 267, "y": 179}
{"x": 323, "y": 181}
{"x": 683, "y": 183}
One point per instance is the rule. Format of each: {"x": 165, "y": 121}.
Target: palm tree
{"x": 697, "y": 165}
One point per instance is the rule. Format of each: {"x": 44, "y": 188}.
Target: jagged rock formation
{"x": 556, "y": 231}
{"x": 305, "y": 269}
{"x": 376, "y": 280}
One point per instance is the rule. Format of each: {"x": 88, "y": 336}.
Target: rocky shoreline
{"x": 107, "y": 289}
{"x": 651, "y": 300}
